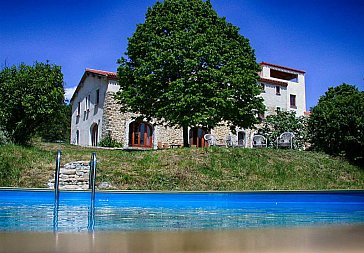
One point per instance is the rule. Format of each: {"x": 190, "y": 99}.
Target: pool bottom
{"x": 349, "y": 239}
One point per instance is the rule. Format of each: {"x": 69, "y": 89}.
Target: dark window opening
{"x": 292, "y": 100}
{"x": 278, "y": 90}
{"x": 283, "y": 75}
{"x": 77, "y": 137}
{"x": 78, "y": 109}
{"x": 97, "y": 96}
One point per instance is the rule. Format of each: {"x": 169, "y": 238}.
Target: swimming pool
{"x": 27, "y": 210}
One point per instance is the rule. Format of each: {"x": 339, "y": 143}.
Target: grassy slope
{"x": 186, "y": 169}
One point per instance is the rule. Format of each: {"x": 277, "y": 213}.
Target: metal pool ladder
{"x": 56, "y": 176}
{"x": 56, "y": 191}
{"x": 92, "y": 186}
{"x": 92, "y": 177}
{"x": 92, "y": 181}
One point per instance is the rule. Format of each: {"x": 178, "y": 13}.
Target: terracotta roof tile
{"x": 307, "y": 113}
{"x": 108, "y": 74}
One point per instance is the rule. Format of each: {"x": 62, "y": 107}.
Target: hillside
{"x": 210, "y": 169}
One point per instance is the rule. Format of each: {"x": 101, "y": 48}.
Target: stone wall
{"x": 169, "y": 135}
{"x": 73, "y": 176}
{"x": 112, "y": 119}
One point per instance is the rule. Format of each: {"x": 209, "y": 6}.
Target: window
{"x": 87, "y": 103}
{"x": 292, "y": 100}
{"x": 78, "y": 109}
{"x": 278, "y": 90}
{"x": 97, "y": 96}
{"x": 77, "y": 142}
{"x": 140, "y": 135}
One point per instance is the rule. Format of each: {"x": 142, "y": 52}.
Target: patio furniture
{"x": 285, "y": 140}
{"x": 241, "y": 143}
{"x": 259, "y": 141}
{"x": 229, "y": 141}
{"x": 211, "y": 139}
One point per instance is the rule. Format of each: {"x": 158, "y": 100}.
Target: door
{"x": 197, "y": 137}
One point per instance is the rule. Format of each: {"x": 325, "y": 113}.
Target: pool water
{"x": 25, "y": 210}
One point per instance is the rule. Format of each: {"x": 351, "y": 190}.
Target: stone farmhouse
{"x": 96, "y": 114}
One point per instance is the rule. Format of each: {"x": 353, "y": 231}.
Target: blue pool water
{"x": 22, "y": 210}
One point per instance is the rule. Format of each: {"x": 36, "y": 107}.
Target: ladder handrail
{"x": 56, "y": 191}
{"x": 56, "y": 176}
{"x": 93, "y": 165}
{"x": 92, "y": 186}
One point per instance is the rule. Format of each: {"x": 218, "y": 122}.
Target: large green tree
{"x": 30, "y": 96}
{"x": 337, "y": 122}
{"x": 186, "y": 66}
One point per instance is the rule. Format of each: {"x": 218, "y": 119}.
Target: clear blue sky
{"x": 323, "y": 37}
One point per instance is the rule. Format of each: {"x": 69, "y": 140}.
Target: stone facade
{"x": 113, "y": 120}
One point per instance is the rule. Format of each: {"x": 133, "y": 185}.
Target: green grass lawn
{"x": 208, "y": 169}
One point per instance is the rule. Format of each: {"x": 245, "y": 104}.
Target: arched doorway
{"x": 94, "y": 135}
{"x": 196, "y": 137}
{"x": 140, "y": 135}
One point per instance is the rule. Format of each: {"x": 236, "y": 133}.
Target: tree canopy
{"x": 337, "y": 122}
{"x": 186, "y": 66}
{"x": 29, "y": 97}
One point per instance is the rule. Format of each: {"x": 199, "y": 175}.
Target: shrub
{"x": 108, "y": 141}
{"x": 285, "y": 121}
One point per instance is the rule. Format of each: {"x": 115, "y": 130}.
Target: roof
{"x": 308, "y": 113}
{"x": 281, "y": 67}
{"x": 271, "y": 81}
{"x": 108, "y": 74}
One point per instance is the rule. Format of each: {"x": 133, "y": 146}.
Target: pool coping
{"x": 186, "y": 192}
{"x": 349, "y": 239}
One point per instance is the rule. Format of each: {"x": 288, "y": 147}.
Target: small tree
{"x": 29, "y": 97}
{"x": 337, "y": 122}
{"x": 188, "y": 67}
{"x": 285, "y": 121}
{"x": 59, "y": 126}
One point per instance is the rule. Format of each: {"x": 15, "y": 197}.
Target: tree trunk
{"x": 185, "y": 137}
